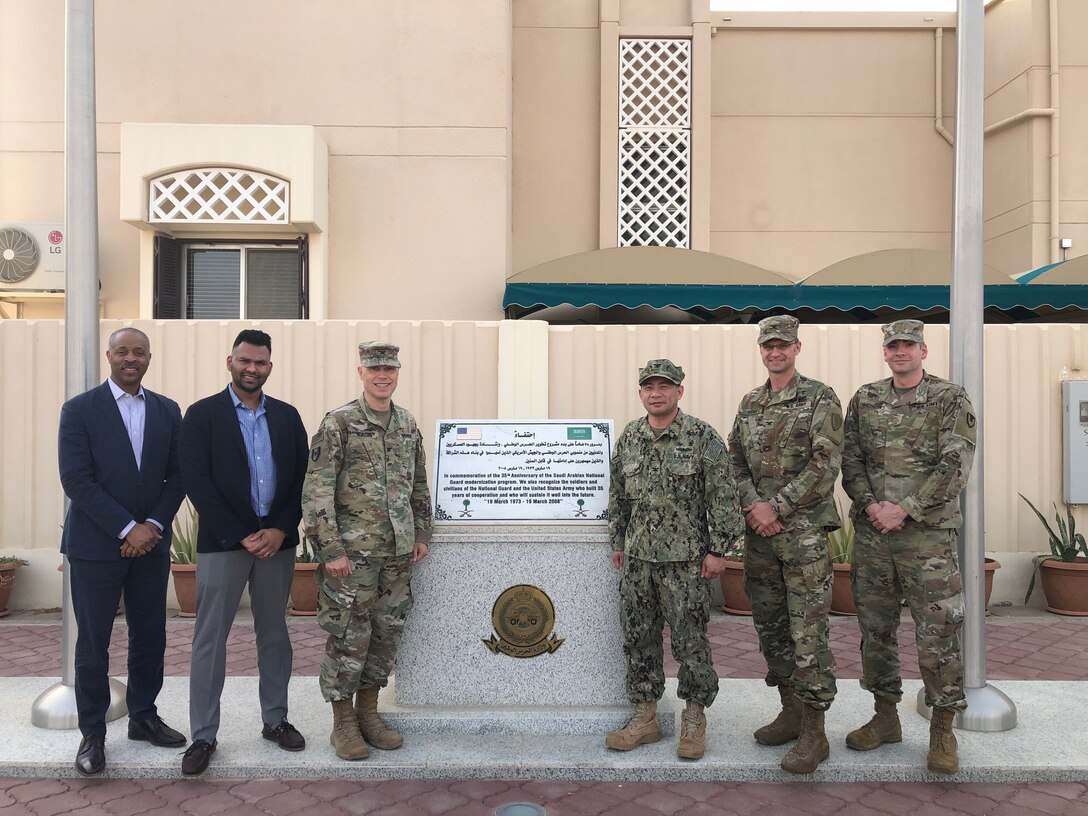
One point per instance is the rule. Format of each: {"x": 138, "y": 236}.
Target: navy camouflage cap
{"x": 779, "y": 327}
{"x": 666, "y": 369}
{"x": 903, "y": 330}
{"x": 374, "y": 353}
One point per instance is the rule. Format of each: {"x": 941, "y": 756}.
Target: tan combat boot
{"x": 345, "y": 737}
{"x": 374, "y": 729}
{"x": 811, "y": 748}
{"x": 943, "y": 755}
{"x": 883, "y": 727}
{"x": 641, "y": 729}
{"x": 692, "y": 743}
{"x": 787, "y": 725}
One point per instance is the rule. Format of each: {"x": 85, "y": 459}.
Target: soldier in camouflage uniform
{"x": 367, "y": 512}
{"x": 909, "y": 444}
{"x": 673, "y": 514}
{"x": 786, "y": 448}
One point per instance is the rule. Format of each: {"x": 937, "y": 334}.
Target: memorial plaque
{"x": 532, "y": 470}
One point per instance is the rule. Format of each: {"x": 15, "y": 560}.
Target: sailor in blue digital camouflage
{"x": 909, "y": 445}
{"x": 673, "y": 515}
{"x": 786, "y": 448}
{"x": 367, "y": 513}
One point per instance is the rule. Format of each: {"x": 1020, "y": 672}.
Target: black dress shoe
{"x": 91, "y": 758}
{"x": 197, "y": 757}
{"x": 156, "y": 732}
{"x": 285, "y": 735}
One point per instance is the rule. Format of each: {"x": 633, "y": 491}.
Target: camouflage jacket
{"x": 366, "y": 486}
{"x": 786, "y": 449}
{"x": 672, "y": 498}
{"x": 915, "y": 450}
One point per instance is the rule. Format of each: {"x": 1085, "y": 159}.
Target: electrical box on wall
{"x": 1075, "y": 436}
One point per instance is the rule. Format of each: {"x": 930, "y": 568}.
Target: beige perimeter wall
{"x": 467, "y": 370}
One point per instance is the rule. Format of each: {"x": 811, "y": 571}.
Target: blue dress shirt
{"x": 262, "y": 468}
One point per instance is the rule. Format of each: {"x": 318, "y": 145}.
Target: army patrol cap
{"x": 903, "y": 330}
{"x": 375, "y": 353}
{"x": 666, "y": 369}
{"x": 780, "y": 327}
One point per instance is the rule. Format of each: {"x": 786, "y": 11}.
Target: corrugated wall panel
{"x": 448, "y": 370}
{"x": 31, "y": 387}
{"x": 593, "y": 371}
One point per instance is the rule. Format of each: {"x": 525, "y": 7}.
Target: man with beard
{"x": 243, "y": 459}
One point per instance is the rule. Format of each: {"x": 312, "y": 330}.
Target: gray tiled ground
{"x": 1049, "y": 745}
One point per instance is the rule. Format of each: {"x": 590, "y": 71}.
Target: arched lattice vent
{"x": 219, "y": 195}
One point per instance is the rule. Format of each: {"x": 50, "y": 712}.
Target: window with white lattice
{"x": 219, "y": 195}
{"x": 654, "y": 142}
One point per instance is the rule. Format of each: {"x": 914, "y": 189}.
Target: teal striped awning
{"x": 787, "y": 297}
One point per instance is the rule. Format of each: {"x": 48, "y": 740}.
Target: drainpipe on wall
{"x": 1024, "y": 115}
{"x": 938, "y": 83}
{"x": 1055, "y": 200}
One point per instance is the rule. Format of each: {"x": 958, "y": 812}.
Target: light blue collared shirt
{"x": 262, "y": 468}
{"x": 134, "y": 414}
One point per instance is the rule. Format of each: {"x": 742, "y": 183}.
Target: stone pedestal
{"x": 447, "y": 679}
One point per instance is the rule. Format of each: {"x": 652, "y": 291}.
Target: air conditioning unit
{"x": 32, "y": 257}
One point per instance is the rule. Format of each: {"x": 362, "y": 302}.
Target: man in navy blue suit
{"x": 243, "y": 457}
{"x": 118, "y": 452}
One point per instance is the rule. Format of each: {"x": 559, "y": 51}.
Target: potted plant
{"x": 841, "y": 544}
{"x": 8, "y": 565}
{"x": 735, "y": 598}
{"x": 183, "y": 561}
{"x": 304, "y": 582}
{"x": 1063, "y": 573}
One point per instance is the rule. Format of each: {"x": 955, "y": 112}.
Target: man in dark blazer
{"x": 118, "y": 452}
{"x": 243, "y": 457}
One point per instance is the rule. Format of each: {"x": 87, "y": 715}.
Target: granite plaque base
{"x": 446, "y": 674}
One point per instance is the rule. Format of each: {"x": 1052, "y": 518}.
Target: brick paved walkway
{"x": 333, "y": 797}
{"x": 1020, "y": 645}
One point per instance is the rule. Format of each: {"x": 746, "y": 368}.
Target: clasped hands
{"x": 141, "y": 540}
{"x": 762, "y": 518}
{"x": 886, "y": 516}
{"x": 264, "y": 543}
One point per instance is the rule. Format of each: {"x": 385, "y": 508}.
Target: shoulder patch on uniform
{"x": 713, "y": 451}
{"x": 315, "y": 453}
{"x": 970, "y": 420}
{"x": 836, "y": 422}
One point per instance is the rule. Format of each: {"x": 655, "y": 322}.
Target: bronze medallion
{"x": 523, "y": 617}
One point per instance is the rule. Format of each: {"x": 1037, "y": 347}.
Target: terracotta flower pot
{"x": 7, "y": 581}
{"x": 988, "y": 569}
{"x": 732, "y": 581}
{"x": 304, "y": 590}
{"x": 1065, "y": 585}
{"x": 842, "y": 598}
{"x": 185, "y": 588}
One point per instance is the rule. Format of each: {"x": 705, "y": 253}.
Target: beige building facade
{"x": 382, "y": 159}
{"x": 387, "y": 168}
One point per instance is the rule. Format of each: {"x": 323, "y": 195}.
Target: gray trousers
{"x": 220, "y": 579}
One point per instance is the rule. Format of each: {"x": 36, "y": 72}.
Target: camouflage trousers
{"x": 364, "y": 615}
{"x": 667, "y": 592}
{"x": 918, "y": 564}
{"x": 788, "y": 577}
